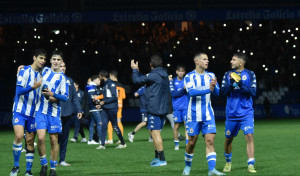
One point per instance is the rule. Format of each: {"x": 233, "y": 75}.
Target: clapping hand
{"x": 134, "y": 65}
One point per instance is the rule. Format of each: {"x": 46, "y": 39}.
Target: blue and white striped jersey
{"x": 197, "y": 85}
{"x": 25, "y": 104}
{"x": 239, "y": 95}
{"x": 57, "y": 83}
{"x": 179, "y": 94}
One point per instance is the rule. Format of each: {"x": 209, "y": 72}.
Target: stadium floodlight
{"x": 15, "y": 61}
{"x": 213, "y": 57}
{"x": 178, "y": 42}
{"x": 196, "y": 38}
{"x": 283, "y": 31}
{"x": 147, "y": 42}
{"x": 241, "y": 29}
{"x": 171, "y": 55}
{"x": 66, "y": 43}
{"x": 250, "y": 24}
{"x": 34, "y": 36}
{"x": 174, "y": 47}
{"x": 143, "y": 24}
{"x": 294, "y": 57}
{"x": 274, "y": 32}
{"x": 131, "y": 41}
{"x": 247, "y": 28}
{"x": 96, "y": 52}
{"x": 51, "y": 41}
{"x": 295, "y": 38}
{"x": 266, "y": 69}
{"x": 289, "y": 30}
{"x": 209, "y": 47}
{"x": 56, "y": 32}
{"x": 276, "y": 71}
{"x": 251, "y": 53}
{"x": 83, "y": 51}
{"x": 260, "y": 25}
{"x": 296, "y": 28}
{"x": 224, "y": 25}
{"x": 294, "y": 74}
{"x": 168, "y": 65}
{"x": 34, "y": 29}
{"x": 25, "y": 42}
{"x": 120, "y": 60}
{"x": 292, "y": 35}
{"x": 286, "y": 41}
{"x": 244, "y": 51}
{"x": 238, "y": 50}
{"x": 23, "y": 49}
{"x": 264, "y": 66}
{"x": 39, "y": 37}
{"x": 294, "y": 46}
{"x": 18, "y": 41}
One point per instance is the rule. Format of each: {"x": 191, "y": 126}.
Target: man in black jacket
{"x": 67, "y": 111}
{"x": 109, "y": 104}
{"x": 157, "y": 90}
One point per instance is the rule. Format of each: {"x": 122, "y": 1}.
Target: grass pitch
{"x": 276, "y": 153}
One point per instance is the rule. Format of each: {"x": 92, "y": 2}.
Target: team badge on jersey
{"x": 176, "y": 118}
{"x": 244, "y": 77}
{"x": 16, "y": 120}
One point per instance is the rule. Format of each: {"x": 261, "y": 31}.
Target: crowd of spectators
{"x": 272, "y": 47}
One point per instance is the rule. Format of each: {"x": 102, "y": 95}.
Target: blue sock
{"x": 176, "y": 142}
{"x": 251, "y": 161}
{"x": 188, "y": 159}
{"x": 17, "y": 148}
{"x": 211, "y": 160}
{"x": 43, "y": 160}
{"x": 228, "y": 157}
{"x": 29, "y": 159}
{"x": 53, "y": 164}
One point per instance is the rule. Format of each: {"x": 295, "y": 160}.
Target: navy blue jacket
{"x": 110, "y": 95}
{"x": 80, "y": 96}
{"x": 157, "y": 90}
{"x": 72, "y": 106}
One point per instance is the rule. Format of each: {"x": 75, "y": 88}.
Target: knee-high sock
{"x": 29, "y": 159}
{"x": 110, "y": 131}
{"x": 17, "y": 148}
{"x": 211, "y": 160}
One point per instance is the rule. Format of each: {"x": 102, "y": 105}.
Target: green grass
{"x": 276, "y": 153}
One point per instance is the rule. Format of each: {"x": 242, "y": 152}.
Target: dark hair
{"x": 94, "y": 77}
{"x": 198, "y": 54}
{"x": 104, "y": 73}
{"x": 241, "y": 56}
{"x": 180, "y": 66}
{"x": 156, "y": 61}
{"x": 114, "y": 73}
{"x": 75, "y": 82}
{"x": 56, "y": 52}
{"x": 38, "y": 52}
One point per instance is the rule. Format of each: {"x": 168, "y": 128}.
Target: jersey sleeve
{"x": 22, "y": 77}
{"x": 191, "y": 89}
{"x": 226, "y": 87}
{"x": 250, "y": 89}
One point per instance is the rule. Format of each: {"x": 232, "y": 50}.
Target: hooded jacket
{"x": 157, "y": 90}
